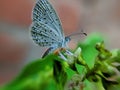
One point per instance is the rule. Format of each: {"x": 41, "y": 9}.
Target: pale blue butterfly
{"x": 46, "y": 29}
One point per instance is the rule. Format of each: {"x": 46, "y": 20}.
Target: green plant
{"x": 91, "y": 67}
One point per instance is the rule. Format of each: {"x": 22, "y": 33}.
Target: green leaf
{"x": 70, "y": 73}
{"x": 93, "y": 85}
{"x": 59, "y": 74}
{"x": 81, "y": 69}
{"x": 38, "y": 75}
{"x": 89, "y": 52}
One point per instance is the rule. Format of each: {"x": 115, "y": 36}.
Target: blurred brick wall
{"x": 16, "y": 11}
{"x": 13, "y": 50}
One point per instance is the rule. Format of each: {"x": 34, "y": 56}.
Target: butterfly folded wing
{"x": 43, "y": 35}
{"x": 45, "y": 13}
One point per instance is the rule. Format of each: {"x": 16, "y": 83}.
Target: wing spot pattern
{"x": 46, "y": 29}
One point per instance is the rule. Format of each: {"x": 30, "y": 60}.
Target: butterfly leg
{"x": 62, "y": 56}
{"x": 69, "y": 53}
{"x": 58, "y": 52}
{"x": 48, "y": 51}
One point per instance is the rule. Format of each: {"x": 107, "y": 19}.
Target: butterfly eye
{"x": 67, "y": 39}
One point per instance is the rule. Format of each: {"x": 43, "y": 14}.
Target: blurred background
{"x": 16, "y": 47}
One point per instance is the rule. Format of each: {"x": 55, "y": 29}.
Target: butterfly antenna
{"x": 78, "y": 33}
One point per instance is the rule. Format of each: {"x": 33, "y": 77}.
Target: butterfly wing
{"x": 44, "y": 35}
{"x": 44, "y": 12}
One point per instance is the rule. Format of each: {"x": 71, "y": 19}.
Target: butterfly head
{"x": 67, "y": 39}
{"x": 64, "y": 43}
